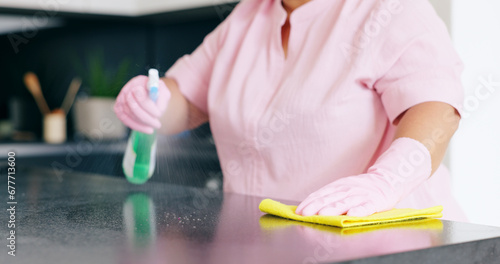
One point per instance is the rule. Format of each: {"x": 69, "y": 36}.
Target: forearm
{"x": 390, "y": 179}
{"x": 431, "y": 123}
{"x": 180, "y": 115}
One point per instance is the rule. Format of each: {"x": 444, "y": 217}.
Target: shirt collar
{"x": 279, "y": 13}
{"x": 306, "y": 11}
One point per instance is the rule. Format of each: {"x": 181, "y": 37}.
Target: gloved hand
{"x": 136, "y": 110}
{"x": 395, "y": 174}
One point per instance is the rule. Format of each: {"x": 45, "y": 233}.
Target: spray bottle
{"x": 140, "y": 156}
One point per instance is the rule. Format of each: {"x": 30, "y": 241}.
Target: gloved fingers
{"x": 304, "y": 204}
{"x": 125, "y": 115}
{"x": 130, "y": 122}
{"x": 362, "y": 210}
{"x": 119, "y": 106}
{"x": 341, "y": 207}
{"x": 336, "y": 186}
{"x": 315, "y": 206}
{"x": 128, "y": 112}
{"x": 140, "y": 114}
{"x": 141, "y": 96}
{"x": 139, "y": 80}
{"x": 136, "y": 110}
{"x": 314, "y": 200}
{"x": 333, "y": 210}
{"x": 335, "y": 191}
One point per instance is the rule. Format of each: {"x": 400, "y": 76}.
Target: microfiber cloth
{"x": 270, "y": 223}
{"x": 395, "y": 215}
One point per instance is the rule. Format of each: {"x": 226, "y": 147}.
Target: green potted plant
{"x": 93, "y": 114}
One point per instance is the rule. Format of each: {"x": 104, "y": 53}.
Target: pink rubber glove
{"x": 136, "y": 110}
{"x": 395, "y": 174}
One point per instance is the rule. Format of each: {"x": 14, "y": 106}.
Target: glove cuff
{"x": 404, "y": 166}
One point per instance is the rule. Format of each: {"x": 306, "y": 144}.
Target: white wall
{"x": 443, "y": 8}
{"x": 475, "y": 150}
{"x": 474, "y": 153}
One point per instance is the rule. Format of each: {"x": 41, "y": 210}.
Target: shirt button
{"x": 247, "y": 149}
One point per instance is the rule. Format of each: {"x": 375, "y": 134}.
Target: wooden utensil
{"x": 69, "y": 98}
{"x": 33, "y": 84}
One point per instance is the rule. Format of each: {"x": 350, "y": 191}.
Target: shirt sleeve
{"x": 424, "y": 67}
{"x": 193, "y": 72}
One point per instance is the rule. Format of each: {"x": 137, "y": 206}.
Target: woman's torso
{"x": 286, "y": 127}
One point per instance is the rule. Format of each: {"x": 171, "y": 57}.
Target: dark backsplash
{"x": 149, "y": 41}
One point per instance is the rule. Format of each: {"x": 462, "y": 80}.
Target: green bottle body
{"x": 140, "y": 157}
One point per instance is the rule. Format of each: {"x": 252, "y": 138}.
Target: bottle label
{"x": 152, "y": 159}
{"x": 129, "y": 158}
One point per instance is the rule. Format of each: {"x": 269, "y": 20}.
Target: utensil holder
{"x": 54, "y": 128}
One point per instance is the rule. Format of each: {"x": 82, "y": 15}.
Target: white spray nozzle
{"x": 153, "y": 82}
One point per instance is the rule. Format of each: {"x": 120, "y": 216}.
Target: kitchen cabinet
{"x": 194, "y": 157}
{"x": 112, "y": 7}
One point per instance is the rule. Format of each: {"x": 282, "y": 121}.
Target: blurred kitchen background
{"x": 107, "y": 42}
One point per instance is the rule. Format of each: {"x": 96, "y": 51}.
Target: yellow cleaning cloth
{"x": 270, "y": 223}
{"x": 395, "y": 215}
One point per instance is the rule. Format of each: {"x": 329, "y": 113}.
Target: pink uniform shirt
{"x": 285, "y": 127}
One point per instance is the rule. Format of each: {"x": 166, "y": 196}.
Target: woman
{"x": 346, "y": 105}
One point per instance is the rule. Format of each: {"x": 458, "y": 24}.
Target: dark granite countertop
{"x": 84, "y": 218}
